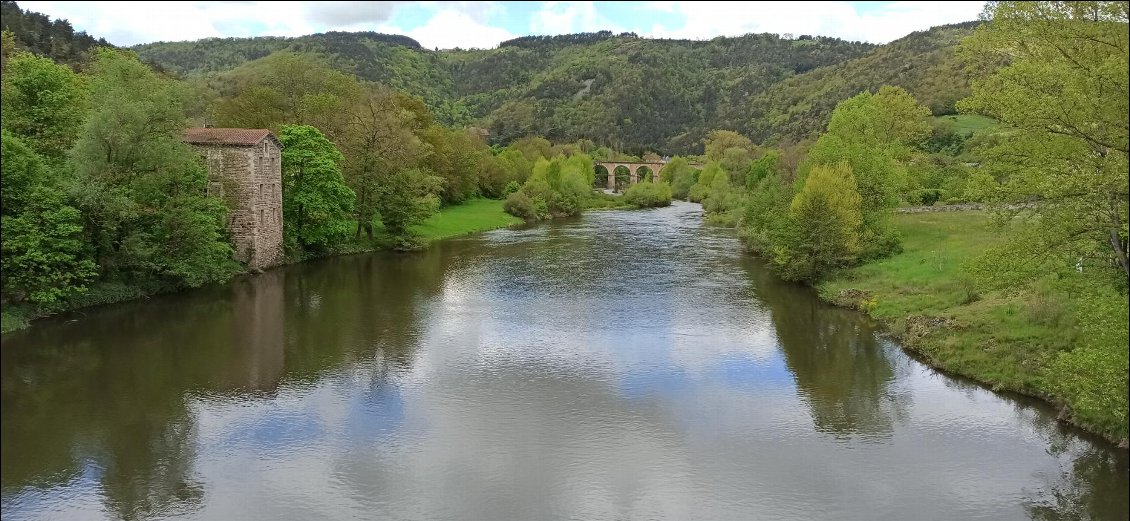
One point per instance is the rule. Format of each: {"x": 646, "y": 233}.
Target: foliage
{"x": 382, "y": 136}
{"x": 39, "y": 34}
{"x": 140, "y": 189}
{"x": 316, "y": 201}
{"x": 42, "y": 257}
{"x": 823, "y": 232}
{"x": 577, "y": 87}
{"x": 874, "y": 134}
{"x": 721, "y": 198}
{"x": 556, "y": 188}
{"x": 1064, "y": 95}
{"x": 286, "y": 88}
{"x": 701, "y": 188}
{"x": 42, "y": 104}
{"x": 680, "y": 175}
{"x": 1091, "y": 377}
{"x": 765, "y": 216}
{"x": 763, "y": 167}
{"x": 404, "y": 199}
{"x": 648, "y": 195}
{"x": 521, "y": 205}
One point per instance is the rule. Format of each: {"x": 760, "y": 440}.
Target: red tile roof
{"x": 226, "y": 136}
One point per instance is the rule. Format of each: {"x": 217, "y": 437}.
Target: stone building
{"x": 245, "y": 170}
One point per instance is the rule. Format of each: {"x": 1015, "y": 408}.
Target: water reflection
{"x": 839, "y": 363}
{"x": 626, "y": 365}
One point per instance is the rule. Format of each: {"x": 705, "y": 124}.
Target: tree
{"x": 719, "y": 141}
{"x": 1065, "y": 93}
{"x": 404, "y": 199}
{"x": 721, "y": 197}
{"x": 42, "y": 104}
{"x": 381, "y": 138}
{"x": 316, "y": 201}
{"x": 762, "y": 168}
{"x": 142, "y": 191}
{"x": 736, "y": 162}
{"x": 556, "y": 188}
{"x": 701, "y": 189}
{"x": 680, "y": 175}
{"x": 42, "y": 255}
{"x": 824, "y": 225}
{"x": 874, "y": 134}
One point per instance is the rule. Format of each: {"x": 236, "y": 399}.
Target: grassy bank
{"x": 472, "y": 216}
{"x": 1009, "y": 339}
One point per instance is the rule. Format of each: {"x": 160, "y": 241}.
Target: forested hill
{"x": 621, "y": 90}
{"x": 38, "y": 33}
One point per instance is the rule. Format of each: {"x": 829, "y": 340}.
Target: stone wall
{"x": 249, "y": 180}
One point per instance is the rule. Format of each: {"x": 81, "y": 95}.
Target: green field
{"x": 476, "y": 215}
{"x": 1008, "y": 339}
{"x": 967, "y": 124}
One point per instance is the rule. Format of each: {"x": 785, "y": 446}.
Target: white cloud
{"x": 570, "y": 17}
{"x": 450, "y": 28}
{"x": 705, "y": 20}
{"x": 484, "y": 24}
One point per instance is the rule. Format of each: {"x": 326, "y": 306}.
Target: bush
{"x": 1092, "y": 377}
{"x": 925, "y": 196}
{"x": 648, "y": 195}
{"x": 521, "y": 205}
{"x": 510, "y": 188}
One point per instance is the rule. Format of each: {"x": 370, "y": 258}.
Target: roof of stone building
{"x": 227, "y": 136}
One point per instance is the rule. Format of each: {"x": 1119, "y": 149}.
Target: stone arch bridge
{"x": 633, "y": 170}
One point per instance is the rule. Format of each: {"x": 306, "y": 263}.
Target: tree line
{"x": 1054, "y": 165}
{"x": 103, "y": 201}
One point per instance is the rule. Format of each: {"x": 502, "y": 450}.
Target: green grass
{"x": 476, "y": 215}
{"x": 1008, "y": 339}
{"x": 967, "y": 124}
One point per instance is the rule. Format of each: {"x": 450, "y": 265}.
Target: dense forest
{"x": 605, "y": 87}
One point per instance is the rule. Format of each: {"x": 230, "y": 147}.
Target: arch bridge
{"x": 633, "y": 170}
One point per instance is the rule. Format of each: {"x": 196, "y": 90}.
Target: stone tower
{"x": 245, "y": 170}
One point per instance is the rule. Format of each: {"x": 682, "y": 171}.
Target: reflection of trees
{"x": 1093, "y": 488}
{"x": 110, "y": 389}
{"x": 1092, "y": 482}
{"x": 836, "y": 359}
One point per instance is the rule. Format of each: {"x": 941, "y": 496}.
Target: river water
{"x": 626, "y": 365}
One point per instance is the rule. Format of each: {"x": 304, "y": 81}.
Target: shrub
{"x": 648, "y": 195}
{"x": 521, "y": 205}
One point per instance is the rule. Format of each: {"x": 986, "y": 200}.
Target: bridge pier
{"x": 611, "y": 179}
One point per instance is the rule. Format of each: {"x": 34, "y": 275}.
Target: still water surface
{"x": 628, "y": 365}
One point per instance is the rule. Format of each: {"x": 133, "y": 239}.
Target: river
{"x": 624, "y": 365}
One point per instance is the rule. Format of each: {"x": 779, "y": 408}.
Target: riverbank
{"x": 1010, "y": 340}
{"x": 473, "y": 216}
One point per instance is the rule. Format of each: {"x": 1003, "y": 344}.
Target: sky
{"x": 465, "y": 25}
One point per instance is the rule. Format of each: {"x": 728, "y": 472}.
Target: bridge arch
{"x": 600, "y": 176}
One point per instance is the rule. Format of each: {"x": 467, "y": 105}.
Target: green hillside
{"x": 634, "y": 94}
